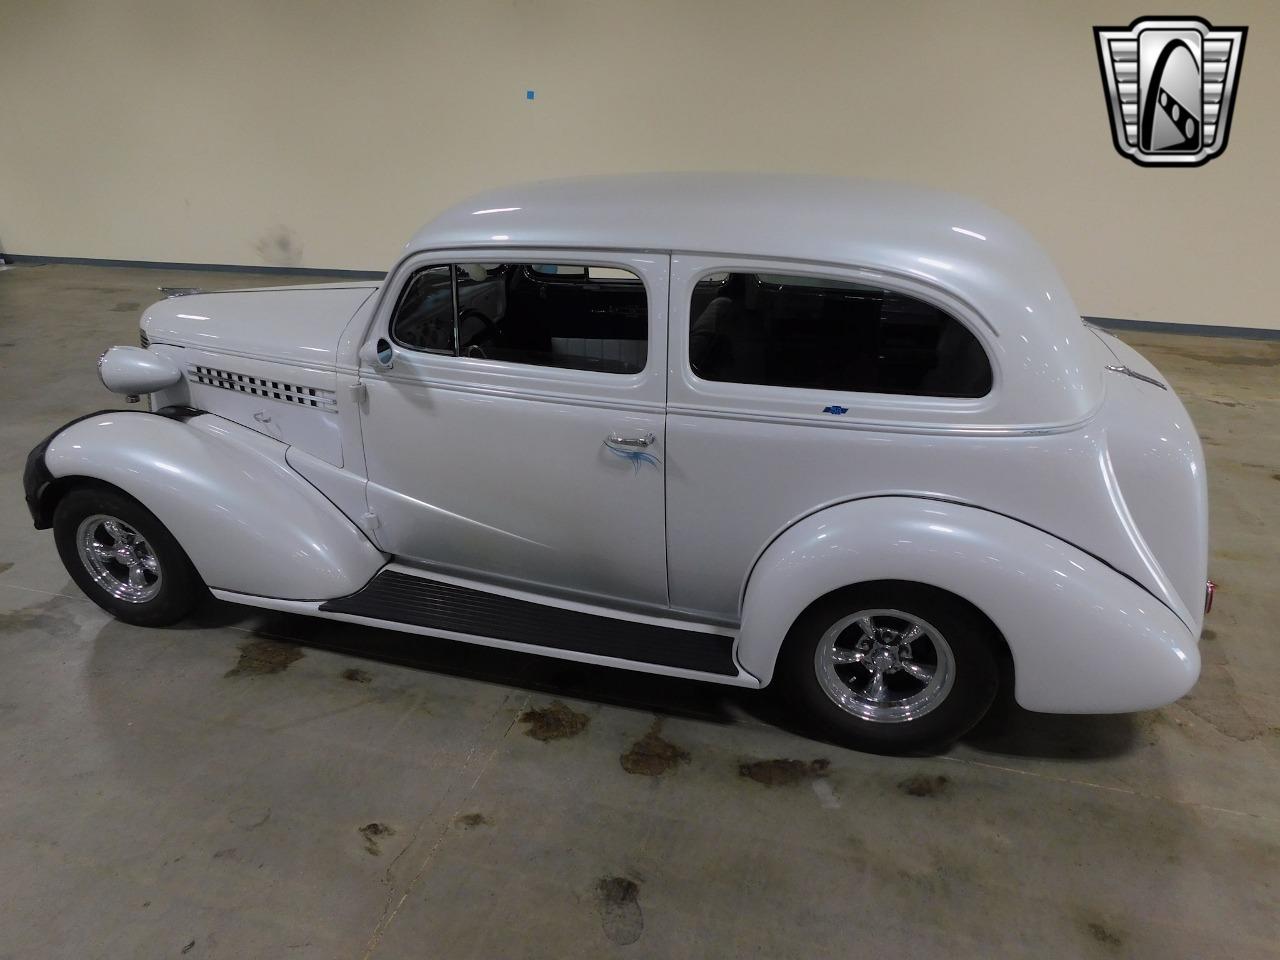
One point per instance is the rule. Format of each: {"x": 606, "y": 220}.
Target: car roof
{"x": 944, "y": 240}
{"x": 910, "y": 229}
{"x": 746, "y": 213}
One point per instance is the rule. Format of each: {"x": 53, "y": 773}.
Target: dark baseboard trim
{"x": 1185, "y": 329}
{"x": 210, "y": 267}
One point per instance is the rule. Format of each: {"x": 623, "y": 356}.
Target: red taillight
{"x": 1210, "y": 588}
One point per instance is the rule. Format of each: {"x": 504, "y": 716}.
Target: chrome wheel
{"x": 887, "y": 666}
{"x": 118, "y": 558}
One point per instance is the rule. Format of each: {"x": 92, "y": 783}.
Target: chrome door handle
{"x": 616, "y": 440}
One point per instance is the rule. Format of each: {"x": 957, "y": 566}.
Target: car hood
{"x": 299, "y": 324}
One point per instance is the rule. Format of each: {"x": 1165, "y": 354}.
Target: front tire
{"x": 123, "y": 558}
{"x": 890, "y": 667}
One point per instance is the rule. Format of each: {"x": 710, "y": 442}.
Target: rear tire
{"x": 890, "y": 667}
{"x": 123, "y": 558}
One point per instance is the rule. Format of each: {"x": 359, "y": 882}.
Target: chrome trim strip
{"x": 1129, "y": 372}
{"x": 323, "y": 369}
{"x": 475, "y": 250}
{"x": 884, "y": 426}
{"x": 577, "y": 400}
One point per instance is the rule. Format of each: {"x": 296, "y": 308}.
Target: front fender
{"x": 249, "y": 523}
{"x": 1084, "y": 638}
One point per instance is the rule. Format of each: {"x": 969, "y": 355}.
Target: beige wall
{"x": 323, "y": 133}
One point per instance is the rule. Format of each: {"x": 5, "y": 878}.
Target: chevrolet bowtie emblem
{"x": 1170, "y": 84}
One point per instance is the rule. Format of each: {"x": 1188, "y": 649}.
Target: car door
{"x": 794, "y": 387}
{"x": 514, "y": 419}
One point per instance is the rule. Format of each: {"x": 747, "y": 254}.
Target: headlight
{"x": 132, "y": 371}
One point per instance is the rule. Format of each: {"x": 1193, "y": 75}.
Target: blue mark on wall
{"x": 528, "y": 94}
{"x": 836, "y": 409}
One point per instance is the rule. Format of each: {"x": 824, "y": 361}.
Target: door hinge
{"x": 359, "y": 392}
{"x": 371, "y": 520}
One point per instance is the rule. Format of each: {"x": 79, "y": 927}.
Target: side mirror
{"x": 386, "y": 356}
{"x": 379, "y": 354}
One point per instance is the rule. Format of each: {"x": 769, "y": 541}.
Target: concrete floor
{"x": 259, "y": 785}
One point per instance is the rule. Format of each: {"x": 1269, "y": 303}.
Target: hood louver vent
{"x": 262, "y": 387}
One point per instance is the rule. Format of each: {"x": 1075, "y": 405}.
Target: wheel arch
{"x": 51, "y": 493}
{"x": 248, "y": 522}
{"x": 1056, "y": 609}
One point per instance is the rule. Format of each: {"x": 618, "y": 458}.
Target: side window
{"x": 423, "y": 318}
{"x": 549, "y": 315}
{"x": 553, "y": 315}
{"x": 807, "y": 332}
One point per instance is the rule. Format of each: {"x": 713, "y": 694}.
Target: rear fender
{"x": 249, "y": 523}
{"x": 1084, "y": 638}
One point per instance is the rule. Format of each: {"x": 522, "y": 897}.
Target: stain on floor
{"x": 249, "y": 818}
{"x": 259, "y": 657}
{"x": 554, "y": 722}
{"x": 357, "y": 676}
{"x": 372, "y": 833}
{"x": 127, "y": 306}
{"x": 470, "y": 821}
{"x": 924, "y": 786}
{"x": 1103, "y": 935}
{"x": 618, "y": 904}
{"x": 653, "y": 755}
{"x": 48, "y": 616}
{"x": 783, "y": 773}
{"x": 4, "y": 565}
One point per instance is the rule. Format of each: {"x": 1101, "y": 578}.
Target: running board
{"x": 420, "y": 601}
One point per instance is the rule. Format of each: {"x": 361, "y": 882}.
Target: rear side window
{"x": 806, "y": 332}
{"x": 570, "y": 316}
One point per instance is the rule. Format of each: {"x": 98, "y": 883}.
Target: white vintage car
{"x": 853, "y": 437}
